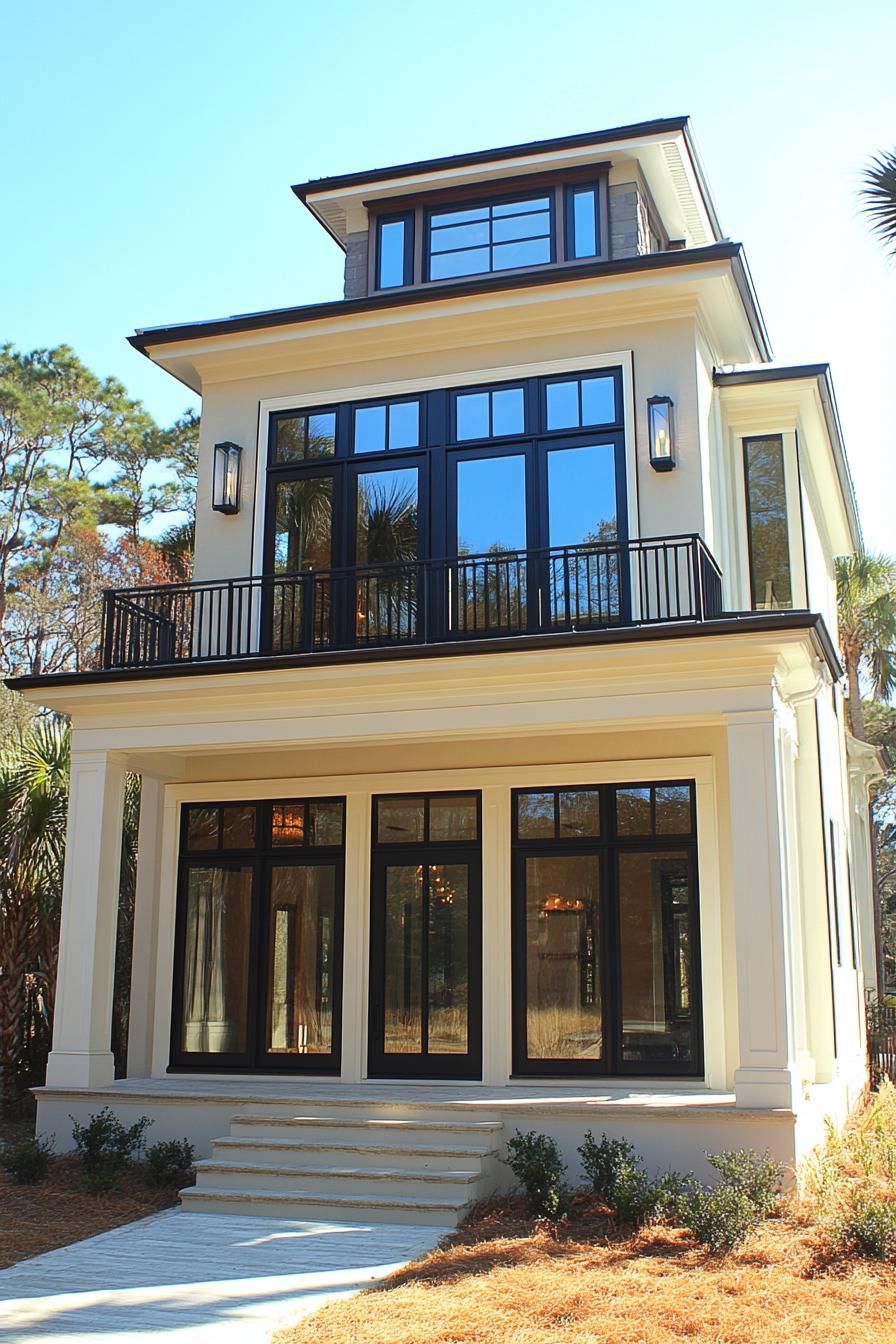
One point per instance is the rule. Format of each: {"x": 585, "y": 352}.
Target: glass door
{"x": 301, "y": 938}
{"x": 426, "y": 939}
{"x": 299, "y": 601}
{"x": 490, "y": 536}
{"x": 584, "y": 506}
{"x": 386, "y": 586}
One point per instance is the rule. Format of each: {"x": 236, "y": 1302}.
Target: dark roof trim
{"x": 420, "y": 166}
{"x": 742, "y": 624}
{"x": 146, "y": 337}
{"x": 821, "y": 373}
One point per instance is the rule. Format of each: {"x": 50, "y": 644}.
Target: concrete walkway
{"x": 197, "y": 1278}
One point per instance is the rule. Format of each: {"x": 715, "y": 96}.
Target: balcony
{"x": 467, "y": 599}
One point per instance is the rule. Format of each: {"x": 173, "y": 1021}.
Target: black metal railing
{"x": 881, "y": 1022}
{"x": 410, "y": 601}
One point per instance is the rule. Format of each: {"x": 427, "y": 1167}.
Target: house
{"x": 494, "y": 764}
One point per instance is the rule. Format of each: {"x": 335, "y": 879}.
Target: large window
{"x": 259, "y": 935}
{"x": 435, "y": 513}
{"x": 767, "y": 529}
{"x": 605, "y": 932}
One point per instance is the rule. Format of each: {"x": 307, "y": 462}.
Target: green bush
{"x": 106, "y": 1147}
{"x": 870, "y": 1227}
{"x": 169, "y": 1162}
{"x": 603, "y": 1160}
{"x": 27, "y": 1161}
{"x": 535, "y": 1161}
{"x": 755, "y": 1175}
{"x": 719, "y": 1216}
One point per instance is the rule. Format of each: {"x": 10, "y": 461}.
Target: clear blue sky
{"x": 148, "y": 152}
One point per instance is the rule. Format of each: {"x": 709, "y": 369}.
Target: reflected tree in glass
{"x": 387, "y": 537}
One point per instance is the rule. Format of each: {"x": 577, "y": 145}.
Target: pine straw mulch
{"x": 59, "y": 1210}
{"x": 502, "y": 1279}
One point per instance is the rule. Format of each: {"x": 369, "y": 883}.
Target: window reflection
{"x": 767, "y": 523}
{"x": 564, "y": 1017}
{"x": 656, "y": 969}
{"x": 489, "y": 238}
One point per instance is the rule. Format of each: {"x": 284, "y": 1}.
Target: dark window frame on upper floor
{"x": 559, "y": 187}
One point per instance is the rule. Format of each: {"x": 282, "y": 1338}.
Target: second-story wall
{"x": 657, "y": 356}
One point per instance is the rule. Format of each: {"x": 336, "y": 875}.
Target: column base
{"x": 768, "y": 1089}
{"x": 81, "y": 1068}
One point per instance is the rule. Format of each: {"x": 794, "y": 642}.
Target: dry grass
{"x": 653, "y": 1288}
{"x": 501, "y": 1279}
{"x": 38, "y": 1218}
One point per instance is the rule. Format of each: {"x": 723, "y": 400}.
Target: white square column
{"x": 770, "y": 1071}
{"x": 82, "y": 1025}
{"x": 144, "y": 958}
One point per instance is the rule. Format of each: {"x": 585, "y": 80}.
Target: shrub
{"x": 105, "y": 1146}
{"x": 719, "y": 1216}
{"x": 535, "y": 1161}
{"x": 169, "y": 1162}
{"x": 755, "y": 1175}
{"x": 603, "y": 1160}
{"x": 869, "y": 1225}
{"x": 28, "y": 1160}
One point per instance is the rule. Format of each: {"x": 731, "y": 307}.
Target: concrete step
{"x": 321, "y": 1128}
{"x": 306, "y": 1153}
{"x": 356, "y": 1182}
{"x": 419, "y": 1211}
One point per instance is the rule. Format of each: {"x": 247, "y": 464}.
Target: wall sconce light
{"x": 226, "y": 479}
{"x": 660, "y": 433}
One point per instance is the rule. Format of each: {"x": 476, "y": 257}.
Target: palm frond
{"x": 878, "y": 197}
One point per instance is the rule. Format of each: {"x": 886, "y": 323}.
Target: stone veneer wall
{"x": 634, "y": 230}
{"x": 356, "y": 266}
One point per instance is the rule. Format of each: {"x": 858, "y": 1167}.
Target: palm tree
{"x": 878, "y": 195}
{"x": 33, "y": 805}
{"x": 866, "y": 615}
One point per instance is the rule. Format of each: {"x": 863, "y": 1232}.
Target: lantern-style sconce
{"x": 660, "y": 433}
{"x": 226, "y": 479}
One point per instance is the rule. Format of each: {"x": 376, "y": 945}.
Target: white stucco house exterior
{"x": 494, "y": 763}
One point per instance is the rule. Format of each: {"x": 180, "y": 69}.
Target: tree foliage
{"x": 866, "y": 615}
{"x": 84, "y": 473}
{"x": 93, "y": 494}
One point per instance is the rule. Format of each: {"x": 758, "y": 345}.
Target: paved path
{"x": 196, "y": 1278}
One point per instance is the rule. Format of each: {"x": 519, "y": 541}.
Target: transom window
{"x": 571, "y": 403}
{"x": 393, "y": 424}
{"x": 304, "y": 437}
{"x": 495, "y": 237}
{"x": 489, "y": 414}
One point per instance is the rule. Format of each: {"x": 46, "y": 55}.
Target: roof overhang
{"x": 664, "y": 151}
{"x": 807, "y": 390}
{"x": 713, "y": 279}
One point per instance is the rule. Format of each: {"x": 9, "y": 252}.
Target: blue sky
{"x": 148, "y": 153}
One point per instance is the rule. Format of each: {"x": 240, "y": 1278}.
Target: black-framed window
{"x": 489, "y": 412}
{"x": 426, "y": 936}
{"x": 606, "y": 963}
{"x": 303, "y": 436}
{"x": 259, "y": 931}
{"x": 583, "y": 221}
{"x": 497, "y": 235}
{"x": 564, "y": 487}
{"x": 768, "y": 534}
{"x": 572, "y": 402}
{"x": 394, "y": 250}
{"x": 386, "y": 426}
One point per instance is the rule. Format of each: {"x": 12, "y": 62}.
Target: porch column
{"x": 82, "y": 1026}
{"x": 769, "y": 1073}
{"x": 146, "y": 928}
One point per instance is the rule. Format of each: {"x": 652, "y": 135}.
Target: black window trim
{"x": 406, "y": 217}
{"x": 601, "y": 223}
{"x": 489, "y": 202}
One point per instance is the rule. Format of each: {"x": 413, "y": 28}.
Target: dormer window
{"x": 499, "y": 236}
{"x": 548, "y": 219}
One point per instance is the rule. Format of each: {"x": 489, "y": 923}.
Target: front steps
{"x": 367, "y": 1162}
